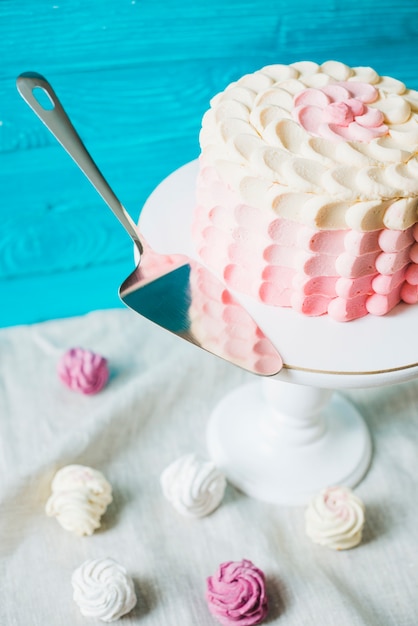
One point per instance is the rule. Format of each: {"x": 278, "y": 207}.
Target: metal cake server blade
{"x": 173, "y": 291}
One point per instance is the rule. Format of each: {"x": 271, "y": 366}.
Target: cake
{"x": 307, "y": 191}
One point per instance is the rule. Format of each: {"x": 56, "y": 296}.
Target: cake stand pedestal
{"x": 283, "y": 438}
{"x": 282, "y": 442}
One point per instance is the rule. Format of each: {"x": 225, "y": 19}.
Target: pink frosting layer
{"x": 339, "y": 112}
{"x": 280, "y": 262}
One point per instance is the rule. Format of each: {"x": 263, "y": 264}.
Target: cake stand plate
{"x": 283, "y": 438}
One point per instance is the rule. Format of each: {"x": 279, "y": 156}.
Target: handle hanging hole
{"x": 43, "y": 98}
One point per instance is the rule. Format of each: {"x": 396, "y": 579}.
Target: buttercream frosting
{"x": 79, "y": 498}
{"x": 193, "y": 486}
{"x": 339, "y": 111}
{"x": 236, "y": 594}
{"x": 103, "y": 589}
{"x": 83, "y": 371}
{"x": 274, "y": 136}
{"x": 335, "y": 518}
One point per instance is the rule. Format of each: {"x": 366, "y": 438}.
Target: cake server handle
{"x": 36, "y": 91}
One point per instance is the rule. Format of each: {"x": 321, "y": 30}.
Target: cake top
{"x": 327, "y": 145}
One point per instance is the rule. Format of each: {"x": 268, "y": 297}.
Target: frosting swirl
{"x": 338, "y": 111}
{"x": 80, "y": 496}
{"x": 83, "y": 371}
{"x": 348, "y": 161}
{"x": 236, "y": 594}
{"x": 103, "y": 589}
{"x": 194, "y": 487}
{"x": 335, "y": 518}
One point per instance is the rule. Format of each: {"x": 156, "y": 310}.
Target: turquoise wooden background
{"x": 135, "y": 77}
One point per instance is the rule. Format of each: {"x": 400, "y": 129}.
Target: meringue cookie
{"x": 79, "y": 498}
{"x": 335, "y": 518}
{"x": 236, "y": 594}
{"x": 83, "y": 371}
{"x": 193, "y": 486}
{"x": 103, "y": 589}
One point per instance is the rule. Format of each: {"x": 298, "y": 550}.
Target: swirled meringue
{"x": 83, "y": 371}
{"x": 335, "y": 518}
{"x": 80, "y": 496}
{"x": 103, "y": 589}
{"x": 194, "y": 487}
{"x": 236, "y": 594}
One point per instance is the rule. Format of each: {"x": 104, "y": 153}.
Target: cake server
{"x": 173, "y": 291}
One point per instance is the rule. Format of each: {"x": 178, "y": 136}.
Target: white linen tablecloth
{"x": 154, "y": 409}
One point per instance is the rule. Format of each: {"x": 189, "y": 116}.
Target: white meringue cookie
{"x": 80, "y": 495}
{"x": 103, "y": 589}
{"x": 193, "y": 486}
{"x": 335, "y": 518}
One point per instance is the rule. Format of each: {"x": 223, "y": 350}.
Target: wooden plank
{"x": 62, "y": 294}
{"x": 137, "y": 131}
{"x": 136, "y": 77}
{"x": 114, "y": 33}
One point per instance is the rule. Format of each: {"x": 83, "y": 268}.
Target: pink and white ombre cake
{"x": 307, "y": 193}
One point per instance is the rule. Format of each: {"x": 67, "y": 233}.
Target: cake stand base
{"x": 281, "y": 443}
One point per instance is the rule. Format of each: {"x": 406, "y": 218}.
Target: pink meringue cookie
{"x": 83, "y": 371}
{"x": 236, "y": 594}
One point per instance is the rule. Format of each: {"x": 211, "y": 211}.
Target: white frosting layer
{"x": 335, "y": 518}
{"x": 194, "y": 487}
{"x": 103, "y": 589}
{"x": 252, "y": 139}
{"x": 79, "y": 498}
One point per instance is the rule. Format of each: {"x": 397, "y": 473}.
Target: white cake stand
{"x": 281, "y": 439}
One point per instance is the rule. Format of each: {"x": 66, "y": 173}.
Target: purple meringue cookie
{"x": 236, "y": 594}
{"x": 83, "y": 371}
